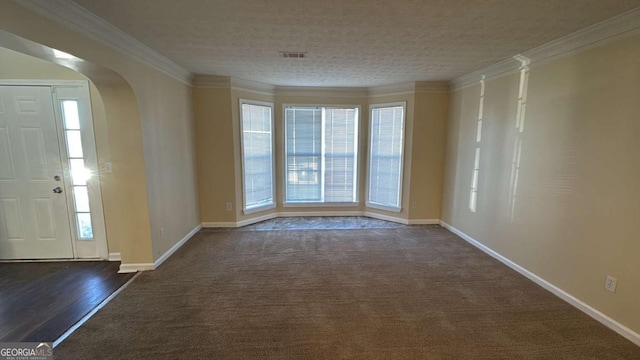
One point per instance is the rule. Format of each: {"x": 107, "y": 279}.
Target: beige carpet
{"x": 415, "y": 292}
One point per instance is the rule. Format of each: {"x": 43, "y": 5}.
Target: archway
{"x": 119, "y": 149}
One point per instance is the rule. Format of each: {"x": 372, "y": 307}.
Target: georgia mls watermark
{"x": 26, "y": 351}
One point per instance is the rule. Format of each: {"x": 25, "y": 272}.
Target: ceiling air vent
{"x": 292, "y": 54}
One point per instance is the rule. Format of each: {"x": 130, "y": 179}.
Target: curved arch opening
{"x": 117, "y": 133}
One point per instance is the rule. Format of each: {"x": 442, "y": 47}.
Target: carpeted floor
{"x": 316, "y": 223}
{"x": 412, "y": 292}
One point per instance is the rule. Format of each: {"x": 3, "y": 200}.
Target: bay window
{"x": 321, "y": 154}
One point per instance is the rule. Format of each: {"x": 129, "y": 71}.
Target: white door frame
{"x": 77, "y": 90}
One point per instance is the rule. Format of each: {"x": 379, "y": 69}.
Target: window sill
{"x": 340, "y": 204}
{"x": 385, "y": 208}
{"x": 258, "y": 209}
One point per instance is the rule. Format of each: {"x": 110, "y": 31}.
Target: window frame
{"x": 273, "y": 203}
{"x": 368, "y": 202}
{"x": 358, "y": 128}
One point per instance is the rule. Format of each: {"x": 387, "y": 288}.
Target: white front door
{"x": 34, "y": 218}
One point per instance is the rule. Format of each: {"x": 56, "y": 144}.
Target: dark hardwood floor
{"x": 40, "y": 301}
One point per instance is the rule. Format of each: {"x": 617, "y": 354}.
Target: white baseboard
{"x": 129, "y": 268}
{"x": 319, "y": 213}
{"x": 175, "y": 247}
{"x": 228, "y": 224}
{"x": 256, "y": 219}
{"x": 577, "y": 303}
{"x": 115, "y": 256}
{"x": 385, "y": 217}
{"x": 424, "y": 222}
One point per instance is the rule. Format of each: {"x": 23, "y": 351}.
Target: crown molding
{"x": 75, "y": 17}
{"x": 601, "y": 33}
{"x": 409, "y": 88}
{"x": 392, "y": 89}
{"x": 432, "y": 86}
{"x": 598, "y": 34}
{"x": 502, "y": 68}
{"x": 336, "y": 92}
{"x": 252, "y": 86}
{"x": 226, "y": 82}
{"x": 212, "y": 81}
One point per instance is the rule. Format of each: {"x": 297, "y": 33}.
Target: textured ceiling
{"x": 348, "y": 42}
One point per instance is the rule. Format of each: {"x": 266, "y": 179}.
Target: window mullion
{"x": 323, "y": 120}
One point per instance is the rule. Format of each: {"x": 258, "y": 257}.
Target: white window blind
{"x": 257, "y": 155}
{"x": 386, "y": 157}
{"x": 321, "y": 154}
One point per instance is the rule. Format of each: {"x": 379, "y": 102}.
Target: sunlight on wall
{"x": 517, "y": 148}
{"x": 473, "y": 197}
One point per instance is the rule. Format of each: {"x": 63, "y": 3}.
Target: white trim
{"x": 129, "y": 268}
{"x": 319, "y": 213}
{"x": 252, "y": 86}
{"x": 255, "y": 220}
{"x": 115, "y": 256}
{"x": 79, "y": 91}
{"x": 604, "y": 32}
{"x": 212, "y": 81}
{"x": 382, "y": 207}
{"x": 227, "y": 224}
{"x": 408, "y": 88}
{"x": 227, "y": 82}
{"x": 76, "y": 17}
{"x": 135, "y": 267}
{"x": 320, "y": 204}
{"x": 598, "y": 34}
{"x": 424, "y": 222}
{"x": 505, "y": 67}
{"x": 272, "y": 132}
{"x": 259, "y": 208}
{"x": 577, "y": 303}
{"x": 386, "y": 217}
{"x": 357, "y": 155}
{"x": 432, "y": 87}
{"x": 317, "y": 92}
{"x": 175, "y": 247}
{"x": 92, "y": 312}
{"x": 403, "y": 131}
{"x": 392, "y": 89}
{"x": 320, "y": 105}
{"x": 51, "y": 260}
{"x": 46, "y": 83}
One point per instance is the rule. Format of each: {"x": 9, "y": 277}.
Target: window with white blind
{"x": 321, "y": 154}
{"x": 386, "y": 156}
{"x": 256, "y": 119}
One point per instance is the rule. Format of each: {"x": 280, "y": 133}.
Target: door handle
{"x": 57, "y": 190}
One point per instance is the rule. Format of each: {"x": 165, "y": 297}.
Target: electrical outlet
{"x": 162, "y": 232}
{"x": 611, "y": 283}
{"x": 229, "y": 206}
{"x": 414, "y": 204}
